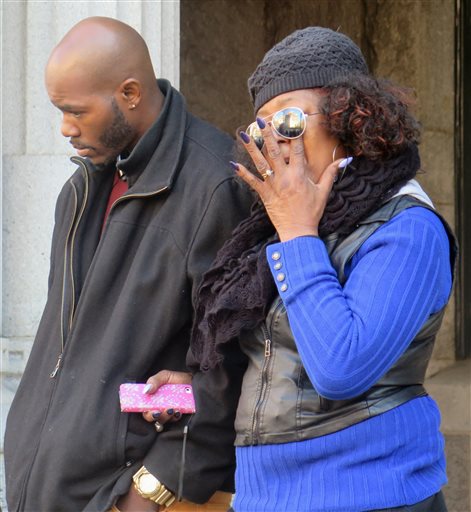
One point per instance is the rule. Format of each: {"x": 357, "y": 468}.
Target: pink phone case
{"x": 169, "y": 396}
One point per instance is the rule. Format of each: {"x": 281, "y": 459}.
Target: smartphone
{"x": 169, "y": 396}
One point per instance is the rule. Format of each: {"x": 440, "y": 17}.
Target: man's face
{"x": 93, "y": 121}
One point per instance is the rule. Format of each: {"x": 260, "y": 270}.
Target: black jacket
{"x": 119, "y": 309}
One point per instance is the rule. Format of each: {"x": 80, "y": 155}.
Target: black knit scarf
{"x": 236, "y": 292}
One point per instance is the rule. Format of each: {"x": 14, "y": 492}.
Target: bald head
{"x": 104, "y": 50}
{"x": 100, "y": 76}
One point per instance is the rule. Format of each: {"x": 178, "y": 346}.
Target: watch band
{"x": 158, "y": 493}
{"x": 165, "y": 497}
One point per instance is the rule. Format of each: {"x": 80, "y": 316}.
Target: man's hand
{"x": 134, "y": 502}
{"x": 154, "y": 383}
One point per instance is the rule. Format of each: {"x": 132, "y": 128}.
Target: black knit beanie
{"x": 307, "y": 58}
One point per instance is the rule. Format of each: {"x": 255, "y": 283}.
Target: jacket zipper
{"x": 72, "y": 231}
{"x": 68, "y": 263}
{"x": 64, "y": 281}
{"x": 133, "y": 196}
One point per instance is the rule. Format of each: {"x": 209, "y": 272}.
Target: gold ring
{"x": 158, "y": 426}
{"x": 269, "y": 172}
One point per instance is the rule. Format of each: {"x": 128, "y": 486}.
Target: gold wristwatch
{"x": 150, "y": 488}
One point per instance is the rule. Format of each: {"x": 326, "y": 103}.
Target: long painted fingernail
{"x": 234, "y": 165}
{"x": 244, "y": 137}
{"x": 261, "y": 123}
{"x": 156, "y": 415}
{"x": 345, "y": 162}
{"x": 146, "y": 389}
{"x": 170, "y": 412}
{"x": 177, "y": 415}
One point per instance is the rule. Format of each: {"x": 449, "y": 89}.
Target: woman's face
{"x": 318, "y": 143}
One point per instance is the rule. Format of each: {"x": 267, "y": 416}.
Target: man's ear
{"x": 130, "y": 92}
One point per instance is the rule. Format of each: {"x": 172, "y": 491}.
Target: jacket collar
{"x": 153, "y": 163}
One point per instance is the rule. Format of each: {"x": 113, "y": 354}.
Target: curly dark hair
{"x": 371, "y": 117}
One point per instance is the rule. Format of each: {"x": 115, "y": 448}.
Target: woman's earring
{"x": 334, "y": 151}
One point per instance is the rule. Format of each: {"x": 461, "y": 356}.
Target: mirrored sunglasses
{"x": 289, "y": 123}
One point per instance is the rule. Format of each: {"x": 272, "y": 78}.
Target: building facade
{"x": 208, "y": 48}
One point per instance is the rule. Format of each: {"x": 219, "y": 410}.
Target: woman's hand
{"x": 294, "y": 202}
{"x": 154, "y": 383}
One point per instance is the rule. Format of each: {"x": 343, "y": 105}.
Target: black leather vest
{"x": 278, "y": 402}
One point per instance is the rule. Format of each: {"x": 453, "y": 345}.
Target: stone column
{"x": 35, "y": 156}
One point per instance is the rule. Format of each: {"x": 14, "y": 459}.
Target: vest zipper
{"x": 264, "y": 383}
{"x": 264, "y": 377}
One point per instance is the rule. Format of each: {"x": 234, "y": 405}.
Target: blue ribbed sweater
{"x": 348, "y": 338}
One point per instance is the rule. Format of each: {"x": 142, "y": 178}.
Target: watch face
{"x": 148, "y": 483}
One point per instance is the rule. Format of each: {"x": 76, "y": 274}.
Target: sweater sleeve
{"x": 348, "y": 337}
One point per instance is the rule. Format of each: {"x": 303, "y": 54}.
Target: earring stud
{"x": 132, "y": 106}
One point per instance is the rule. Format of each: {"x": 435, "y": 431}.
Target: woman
{"x": 335, "y": 288}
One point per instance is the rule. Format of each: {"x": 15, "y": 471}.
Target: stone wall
{"x": 34, "y": 154}
{"x": 413, "y": 44}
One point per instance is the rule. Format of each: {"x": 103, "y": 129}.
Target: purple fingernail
{"x": 146, "y": 389}
{"x": 177, "y": 414}
{"x": 345, "y": 162}
{"x": 156, "y": 415}
{"x": 234, "y": 165}
{"x": 261, "y": 123}
{"x": 244, "y": 137}
{"x": 170, "y": 412}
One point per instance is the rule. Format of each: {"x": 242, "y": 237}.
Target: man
{"x": 136, "y": 226}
